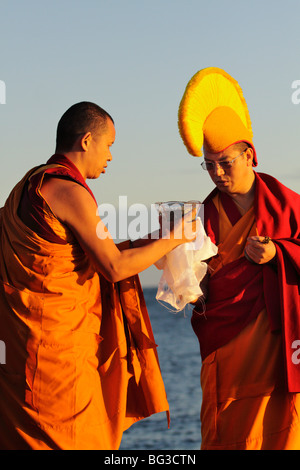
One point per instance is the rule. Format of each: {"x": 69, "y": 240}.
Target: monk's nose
{"x": 218, "y": 170}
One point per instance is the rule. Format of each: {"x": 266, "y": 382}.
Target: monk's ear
{"x": 86, "y": 141}
{"x": 249, "y": 155}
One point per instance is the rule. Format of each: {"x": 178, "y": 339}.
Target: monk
{"x": 81, "y": 362}
{"x": 249, "y": 329}
{"x": 246, "y": 400}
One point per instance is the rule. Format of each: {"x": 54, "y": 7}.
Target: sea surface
{"x": 179, "y": 356}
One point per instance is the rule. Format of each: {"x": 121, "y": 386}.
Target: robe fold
{"x": 81, "y": 361}
{"x": 249, "y": 323}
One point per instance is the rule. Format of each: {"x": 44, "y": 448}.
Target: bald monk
{"x": 81, "y": 361}
{"x": 247, "y": 332}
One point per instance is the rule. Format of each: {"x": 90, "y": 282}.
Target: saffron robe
{"x": 245, "y": 400}
{"x": 81, "y": 360}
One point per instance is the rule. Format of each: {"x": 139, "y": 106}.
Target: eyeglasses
{"x": 225, "y": 165}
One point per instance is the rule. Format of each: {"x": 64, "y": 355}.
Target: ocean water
{"x": 179, "y": 356}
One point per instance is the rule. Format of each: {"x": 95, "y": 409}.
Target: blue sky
{"x": 134, "y": 58}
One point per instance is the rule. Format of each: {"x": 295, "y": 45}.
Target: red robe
{"x": 239, "y": 290}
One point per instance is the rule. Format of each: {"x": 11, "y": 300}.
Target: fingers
{"x": 194, "y": 213}
{"x": 192, "y": 233}
{"x": 186, "y": 229}
{"x": 182, "y": 226}
{"x": 260, "y": 249}
{"x": 257, "y": 238}
{"x": 191, "y": 225}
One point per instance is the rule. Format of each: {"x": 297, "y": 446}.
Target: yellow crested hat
{"x": 213, "y": 113}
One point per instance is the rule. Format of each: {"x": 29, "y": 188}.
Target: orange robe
{"x": 81, "y": 361}
{"x": 245, "y": 405}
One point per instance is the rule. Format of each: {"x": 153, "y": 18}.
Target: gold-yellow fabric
{"x": 222, "y": 128}
{"x": 81, "y": 361}
{"x": 245, "y": 404}
{"x": 213, "y": 113}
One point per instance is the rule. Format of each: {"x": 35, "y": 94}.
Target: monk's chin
{"x": 222, "y": 185}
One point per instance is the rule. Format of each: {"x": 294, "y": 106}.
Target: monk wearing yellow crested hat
{"x": 249, "y": 329}
{"x": 81, "y": 364}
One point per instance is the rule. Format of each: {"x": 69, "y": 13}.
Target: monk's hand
{"x": 186, "y": 227}
{"x": 260, "y": 250}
